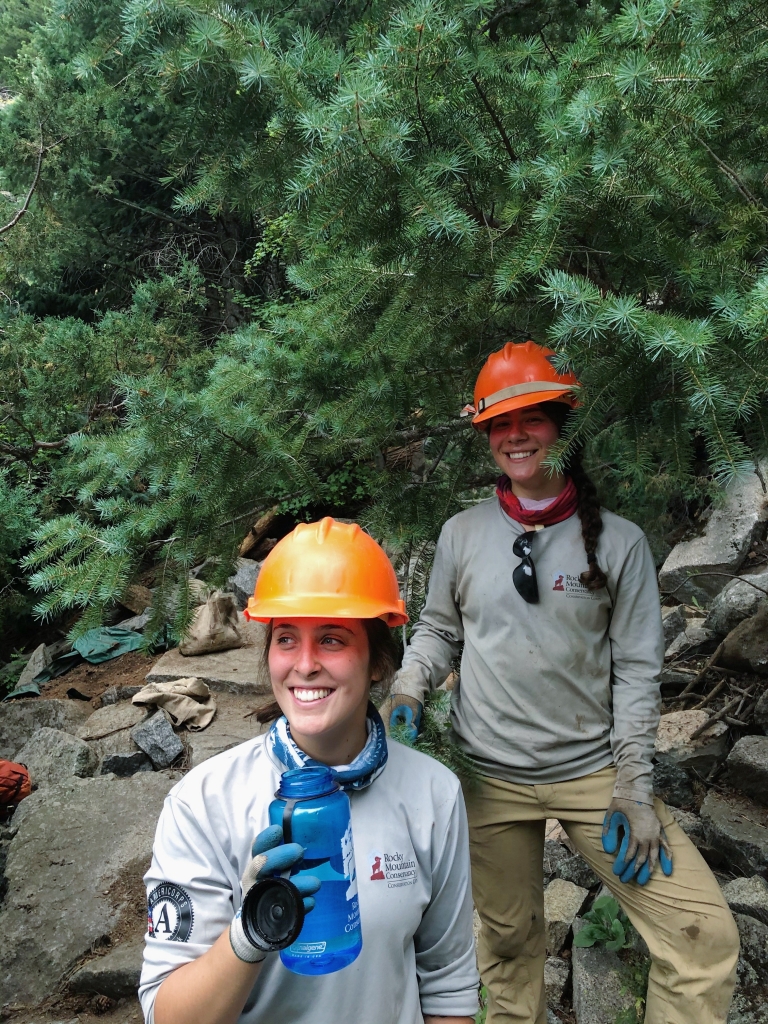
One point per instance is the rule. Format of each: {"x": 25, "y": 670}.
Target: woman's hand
{"x": 213, "y": 989}
{"x": 643, "y": 843}
{"x": 271, "y": 856}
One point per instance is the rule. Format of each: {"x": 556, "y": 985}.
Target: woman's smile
{"x": 304, "y": 696}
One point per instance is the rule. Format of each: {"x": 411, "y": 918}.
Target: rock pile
{"x": 72, "y": 900}
{"x": 711, "y": 762}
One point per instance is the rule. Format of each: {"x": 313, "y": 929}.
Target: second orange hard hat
{"x": 518, "y": 376}
{"x": 327, "y": 569}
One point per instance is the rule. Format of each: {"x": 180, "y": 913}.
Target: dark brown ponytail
{"x": 588, "y": 507}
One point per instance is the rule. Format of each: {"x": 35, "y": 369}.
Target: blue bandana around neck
{"x": 366, "y": 767}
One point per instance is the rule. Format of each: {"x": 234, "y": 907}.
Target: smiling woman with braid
{"x": 553, "y": 604}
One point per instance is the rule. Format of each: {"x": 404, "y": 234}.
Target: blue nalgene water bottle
{"x": 314, "y": 812}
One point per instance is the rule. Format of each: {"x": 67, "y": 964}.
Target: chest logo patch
{"x": 396, "y": 869}
{"x": 170, "y": 915}
{"x": 571, "y": 586}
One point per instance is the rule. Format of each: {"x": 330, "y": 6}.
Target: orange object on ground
{"x": 327, "y": 568}
{"x": 14, "y": 784}
{"x": 518, "y": 376}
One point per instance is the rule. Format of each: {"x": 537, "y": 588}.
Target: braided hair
{"x": 588, "y": 506}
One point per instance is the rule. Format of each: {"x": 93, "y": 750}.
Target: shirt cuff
{"x": 634, "y": 786}
{"x": 411, "y": 684}
{"x": 451, "y": 1004}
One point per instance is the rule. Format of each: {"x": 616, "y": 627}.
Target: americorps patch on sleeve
{"x": 170, "y": 914}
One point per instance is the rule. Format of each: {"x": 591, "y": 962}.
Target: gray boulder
{"x": 74, "y": 876}
{"x": 116, "y": 974}
{"x": 761, "y": 712}
{"x": 746, "y": 647}
{"x": 562, "y": 902}
{"x": 123, "y": 765}
{"x": 722, "y": 546}
{"x": 119, "y": 755}
{"x": 736, "y": 602}
{"x": 673, "y": 621}
{"x": 691, "y": 824}
{"x": 556, "y": 974}
{"x": 112, "y": 719}
{"x": 753, "y": 937}
{"x": 694, "y": 639}
{"x": 672, "y": 784}
{"x": 19, "y": 720}
{"x": 675, "y": 742}
{"x": 52, "y": 756}
{"x": 244, "y": 580}
{"x": 136, "y": 622}
{"x": 118, "y": 694}
{"x": 748, "y": 767}
{"x": 234, "y": 723}
{"x": 555, "y": 854}
{"x": 156, "y": 738}
{"x": 38, "y": 660}
{"x": 576, "y": 870}
{"x": 748, "y": 896}
{"x": 737, "y": 831}
{"x": 599, "y": 985}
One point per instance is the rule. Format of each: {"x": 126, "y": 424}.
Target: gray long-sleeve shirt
{"x": 549, "y": 691}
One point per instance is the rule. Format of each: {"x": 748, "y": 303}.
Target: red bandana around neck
{"x": 561, "y": 508}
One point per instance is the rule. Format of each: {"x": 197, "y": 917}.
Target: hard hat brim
{"x": 522, "y": 402}
{"x": 320, "y": 605}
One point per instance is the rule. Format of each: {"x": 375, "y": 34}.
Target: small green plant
{"x": 606, "y": 925}
{"x": 9, "y": 674}
{"x": 483, "y": 1011}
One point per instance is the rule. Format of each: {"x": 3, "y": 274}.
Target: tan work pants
{"x": 684, "y": 919}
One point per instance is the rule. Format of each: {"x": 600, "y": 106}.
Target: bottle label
{"x": 348, "y": 859}
{"x": 308, "y": 948}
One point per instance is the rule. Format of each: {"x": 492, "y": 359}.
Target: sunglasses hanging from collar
{"x": 524, "y": 575}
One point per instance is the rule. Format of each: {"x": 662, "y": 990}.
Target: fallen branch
{"x": 25, "y": 205}
{"x": 710, "y": 696}
{"x": 715, "y": 718}
{"x": 730, "y": 575}
{"x": 700, "y": 675}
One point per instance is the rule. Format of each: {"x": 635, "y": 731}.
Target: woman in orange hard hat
{"x": 552, "y": 603}
{"x": 328, "y": 595}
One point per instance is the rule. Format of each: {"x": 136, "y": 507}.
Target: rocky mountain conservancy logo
{"x": 169, "y": 913}
{"x": 396, "y": 869}
{"x": 571, "y": 586}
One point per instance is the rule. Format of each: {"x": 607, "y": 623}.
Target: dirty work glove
{"x": 643, "y": 841}
{"x": 398, "y": 709}
{"x": 271, "y": 856}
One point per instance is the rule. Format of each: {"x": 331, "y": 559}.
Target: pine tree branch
{"x": 189, "y": 229}
{"x": 732, "y": 175}
{"x": 25, "y": 205}
{"x": 495, "y": 118}
{"x": 420, "y": 32}
{"x": 362, "y": 133}
{"x": 416, "y": 433}
{"x": 492, "y": 25}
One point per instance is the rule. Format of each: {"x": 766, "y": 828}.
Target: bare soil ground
{"x": 92, "y": 680}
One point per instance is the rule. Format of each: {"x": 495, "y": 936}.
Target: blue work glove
{"x": 271, "y": 856}
{"x": 400, "y": 710}
{"x": 643, "y": 840}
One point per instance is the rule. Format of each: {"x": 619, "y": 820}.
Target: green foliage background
{"x": 271, "y": 245}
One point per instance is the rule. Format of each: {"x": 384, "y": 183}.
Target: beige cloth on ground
{"x": 187, "y": 702}
{"x": 215, "y": 627}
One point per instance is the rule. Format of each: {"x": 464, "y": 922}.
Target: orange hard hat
{"x": 327, "y": 568}
{"x": 518, "y": 376}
